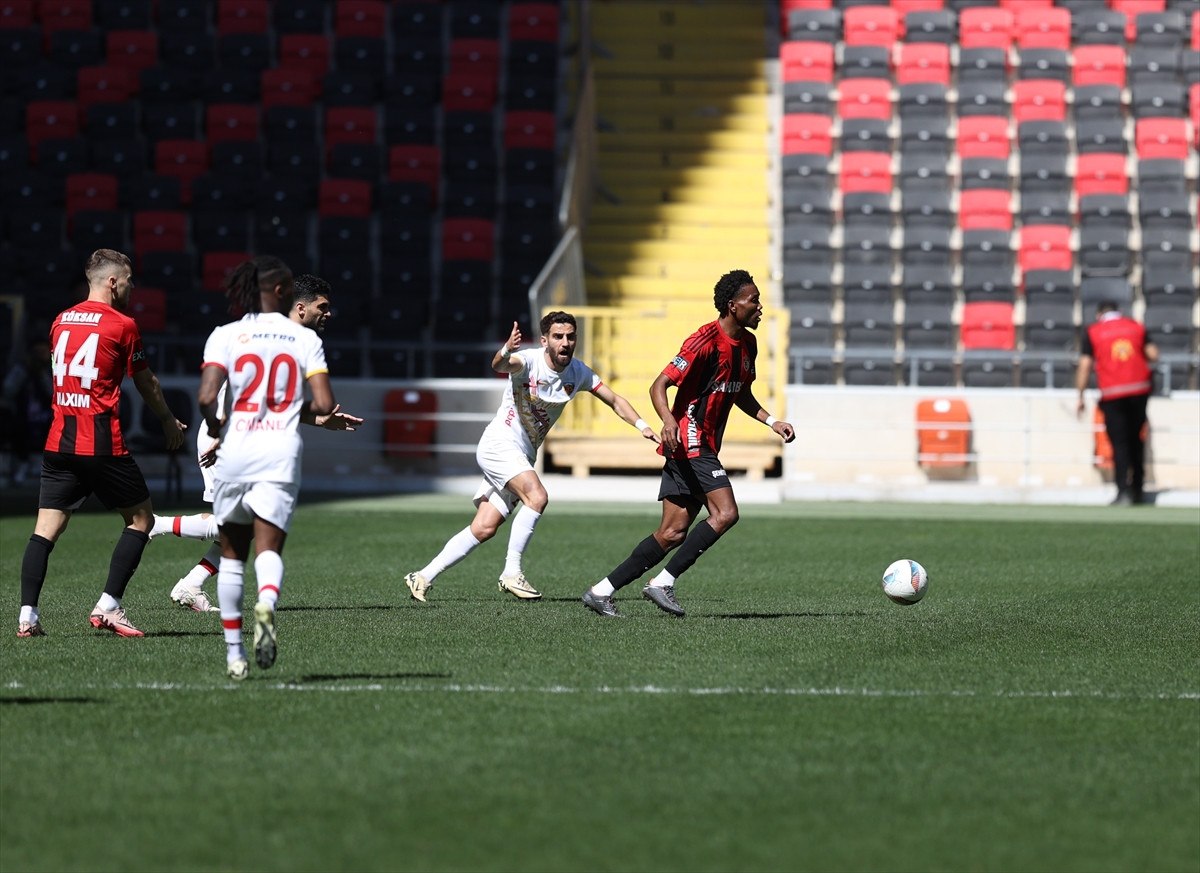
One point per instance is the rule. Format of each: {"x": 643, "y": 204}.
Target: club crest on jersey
{"x": 679, "y": 363}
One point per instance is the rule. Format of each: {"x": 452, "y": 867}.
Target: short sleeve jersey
{"x": 266, "y": 357}
{"x": 94, "y": 348}
{"x": 709, "y": 373}
{"x": 535, "y": 398}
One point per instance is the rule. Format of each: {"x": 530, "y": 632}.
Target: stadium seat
{"x": 58, "y": 158}
{"x": 806, "y": 61}
{"x": 984, "y": 27}
{"x": 1100, "y": 135}
{"x": 982, "y": 63}
{"x": 987, "y": 372}
{"x": 340, "y": 88}
{"x": 1099, "y": 65}
{"x": 478, "y": 56}
{"x": 1169, "y": 326}
{"x": 474, "y": 19}
{"x": 807, "y": 97}
{"x": 1162, "y": 138}
{"x": 1043, "y": 27}
{"x": 410, "y": 414}
{"x": 226, "y": 122}
{"x": 350, "y": 124}
{"x": 159, "y": 230}
{"x": 943, "y": 432}
{"x": 220, "y": 230}
{"x": 822, "y": 24}
{"x": 1039, "y": 100}
{"x": 468, "y": 91}
{"x": 866, "y": 135}
{"x": 285, "y": 86}
{"x": 530, "y": 130}
{"x": 151, "y": 191}
{"x": 878, "y": 370}
{"x": 1098, "y": 25}
{"x": 865, "y": 98}
{"x": 416, "y": 163}
{"x": 304, "y": 51}
{"x": 933, "y": 25}
{"x": 362, "y": 54}
{"x": 1160, "y": 29}
{"x": 988, "y": 325}
{"x": 806, "y": 134}
{"x": 866, "y": 62}
{"x": 90, "y": 191}
{"x": 131, "y": 49}
{"x": 1045, "y": 64}
{"x": 148, "y": 306}
{"x": 183, "y": 159}
{"x": 299, "y": 17}
{"x": 533, "y": 21}
{"x": 360, "y": 18}
{"x": 55, "y": 15}
{"x": 866, "y": 172}
{"x": 125, "y": 158}
{"x": 243, "y": 16}
{"x": 982, "y": 97}
{"x": 344, "y": 197}
{"x": 1097, "y": 103}
{"x": 923, "y": 62}
{"x": 104, "y": 84}
{"x": 215, "y": 268}
{"x": 1094, "y": 289}
{"x": 928, "y": 326}
{"x": 1044, "y": 247}
{"x": 985, "y": 209}
{"x": 870, "y": 25}
{"x": 983, "y": 136}
{"x": 1101, "y": 174}
{"x": 468, "y": 239}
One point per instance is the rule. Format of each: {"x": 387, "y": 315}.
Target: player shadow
{"x": 175, "y": 633}
{"x": 365, "y": 607}
{"x": 30, "y": 701}
{"x": 339, "y": 677}
{"x": 765, "y": 615}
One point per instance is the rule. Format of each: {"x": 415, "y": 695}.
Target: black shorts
{"x": 68, "y": 480}
{"x": 692, "y": 477}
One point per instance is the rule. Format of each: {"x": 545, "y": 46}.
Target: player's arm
{"x": 658, "y": 397}
{"x": 212, "y": 377}
{"x": 322, "y": 402}
{"x": 148, "y": 386}
{"x": 336, "y": 420}
{"x": 748, "y": 403}
{"x": 625, "y": 411}
{"x": 502, "y": 361}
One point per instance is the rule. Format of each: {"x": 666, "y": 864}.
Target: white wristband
{"x": 640, "y": 424}
{"x": 505, "y": 351}
{"x": 770, "y": 422}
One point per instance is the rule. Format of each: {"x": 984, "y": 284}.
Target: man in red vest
{"x": 1117, "y": 346}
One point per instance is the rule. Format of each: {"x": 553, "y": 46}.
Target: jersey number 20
{"x": 246, "y": 401}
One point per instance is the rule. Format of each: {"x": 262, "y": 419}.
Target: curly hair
{"x": 556, "y": 317}
{"x": 309, "y": 288}
{"x": 250, "y": 279}
{"x": 727, "y": 287}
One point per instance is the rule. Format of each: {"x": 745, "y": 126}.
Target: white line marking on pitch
{"x": 455, "y": 688}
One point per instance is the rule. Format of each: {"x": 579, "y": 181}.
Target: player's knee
{"x": 723, "y": 521}
{"x": 670, "y": 537}
{"x": 483, "y": 531}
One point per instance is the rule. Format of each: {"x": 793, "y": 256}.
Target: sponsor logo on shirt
{"x": 75, "y": 401}
{"x": 139, "y": 355}
{"x": 727, "y": 387}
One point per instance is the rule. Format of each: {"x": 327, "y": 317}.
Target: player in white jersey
{"x": 542, "y": 381}
{"x": 310, "y": 308}
{"x": 266, "y": 358}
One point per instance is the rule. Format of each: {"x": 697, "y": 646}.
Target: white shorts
{"x": 501, "y": 462}
{"x": 241, "y": 502}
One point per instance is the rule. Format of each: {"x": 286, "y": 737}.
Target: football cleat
{"x": 191, "y": 598}
{"x": 664, "y": 598}
{"x": 600, "y": 605}
{"x": 518, "y": 586}
{"x": 264, "y": 635}
{"x": 114, "y": 620}
{"x": 239, "y": 669}
{"x": 30, "y": 629}
{"x": 418, "y": 586}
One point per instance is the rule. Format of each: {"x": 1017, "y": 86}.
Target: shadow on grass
{"x": 752, "y": 615}
{"x": 373, "y": 606}
{"x": 29, "y": 701}
{"x": 171, "y": 633}
{"x": 339, "y": 677}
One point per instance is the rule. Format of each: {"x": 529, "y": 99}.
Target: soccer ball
{"x": 905, "y": 582}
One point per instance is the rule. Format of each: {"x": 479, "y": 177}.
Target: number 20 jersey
{"x": 267, "y": 358}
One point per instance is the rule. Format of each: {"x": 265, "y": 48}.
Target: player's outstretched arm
{"x": 502, "y": 361}
{"x": 322, "y": 402}
{"x": 625, "y": 411}
{"x": 748, "y": 404}
{"x": 148, "y": 386}
{"x": 336, "y": 420}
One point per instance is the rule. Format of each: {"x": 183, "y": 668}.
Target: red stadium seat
{"x": 243, "y": 16}
{"x": 148, "y": 306}
{"x": 159, "y": 231}
{"x": 416, "y": 163}
{"x": 215, "y": 268}
{"x": 871, "y": 25}
{"x": 923, "y": 62}
{"x": 304, "y": 51}
{"x": 807, "y": 134}
{"x": 985, "y": 27}
{"x": 903, "y": 7}
{"x": 345, "y": 197}
{"x": 985, "y": 209}
{"x": 469, "y": 92}
{"x": 288, "y": 87}
{"x": 479, "y": 56}
{"x": 983, "y": 136}
{"x": 103, "y": 85}
{"x": 865, "y": 98}
{"x": 55, "y": 15}
{"x": 530, "y": 130}
{"x": 1045, "y": 247}
{"x": 943, "y": 432}
{"x": 533, "y": 21}
{"x": 50, "y": 119}
{"x": 1194, "y": 109}
{"x": 1101, "y": 173}
{"x": 1039, "y": 100}
{"x": 1044, "y": 27}
{"x": 988, "y": 324}
{"x": 806, "y": 61}
{"x": 360, "y": 18}
{"x": 132, "y": 49}
{"x": 95, "y": 191}
{"x": 350, "y": 124}
{"x": 1015, "y": 6}
{"x": 231, "y": 122}
{"x": 1131, "y": 9}
{"x": 1099, "y": 65}
{"x": 1196, "y": 31}
{"x": 409, "y": 422}
{"x": 1162, "y": 138}
{"x": 468, "y": 239}
{"x": 16, "y": 14}
{"x": 185, "y": 159}
{"x": 866, "y": 172}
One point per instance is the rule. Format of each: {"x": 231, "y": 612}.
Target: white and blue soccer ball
{"x": 905, "y": 582}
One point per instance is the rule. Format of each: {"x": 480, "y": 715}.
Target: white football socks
{"x": 662, "y": 580}
{"x": 230, "y": 579}
{"x": 195, "y": 527}
{"x": 518, "y": 539}
{"x": 456, "y": 548}
{"x": 268, "y": 570}
{"x": 107, "y": 602}
{"x": 198, "y": 575}
{"x": 603, "y": 588}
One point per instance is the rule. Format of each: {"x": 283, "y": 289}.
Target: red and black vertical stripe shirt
{"x": 709, "y": 373}
{"x": 95, "y": 346}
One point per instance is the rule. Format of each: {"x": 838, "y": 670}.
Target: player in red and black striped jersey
{"x": 711, "y": 374}
{"x": 95, "y": 346}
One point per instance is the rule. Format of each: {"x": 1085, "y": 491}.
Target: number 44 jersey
{"x": 267, "y": 358}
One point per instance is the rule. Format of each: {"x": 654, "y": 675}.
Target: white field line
{"x": 730, "y": 691}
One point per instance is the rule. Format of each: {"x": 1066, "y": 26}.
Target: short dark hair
{"x": 309, "y": 288}
{"x": 1107, "y": 306}
{"x": 103, "y": 259}
{"x": 727, "y": 287}
{"x": 556, "y": 317}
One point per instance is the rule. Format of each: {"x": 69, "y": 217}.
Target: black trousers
{"x": 1124, "y": 419}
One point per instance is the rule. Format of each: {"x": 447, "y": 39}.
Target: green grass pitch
{"x": 1039, "y": 710}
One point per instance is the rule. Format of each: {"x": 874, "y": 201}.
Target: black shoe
{"x": 1123, "y": 498}
{"x": 663, "y": 598}
{"x": 600, "y": 605}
